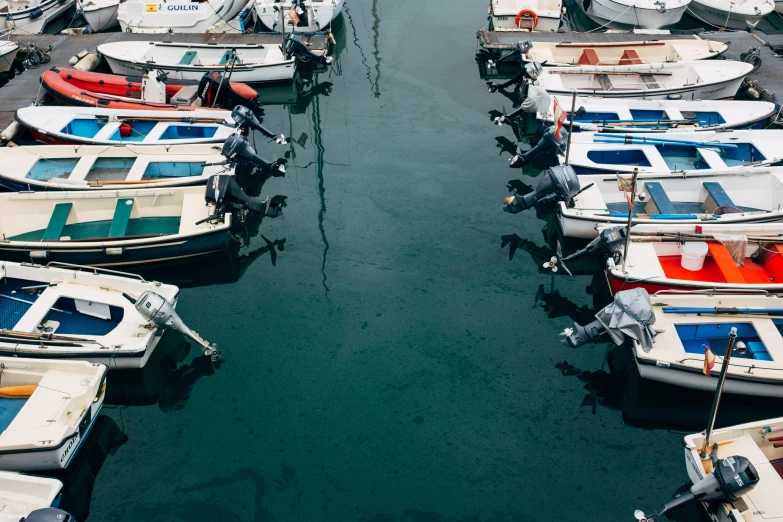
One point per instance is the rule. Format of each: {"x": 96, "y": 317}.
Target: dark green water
{"x": 392, "y": 366}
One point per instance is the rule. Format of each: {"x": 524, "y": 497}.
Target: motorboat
{"x": 250, "y": 63}
{"x": 531, "y": 15}
{"x": 33, "y": 16}
{"x": 177, "y": 16}
{"x": 20, "y": 495}
{"x": 8, "y": 51}
{"x": 730, "y": 14}
{"x": 301, "y": 16}
{"x": 101, "y": 15}
{"x": 634, "y": 14}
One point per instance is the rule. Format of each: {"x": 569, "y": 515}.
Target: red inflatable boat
{"x": 109, "y": 91}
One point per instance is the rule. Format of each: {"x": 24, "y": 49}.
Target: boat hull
{"x": 546, "y": 24}
{"x": 618, "y": 16}
{"x": 326, "y": 13}
{"x": 715, "y": 91}
{"x": 52, "y": 10}
{"x": 260, "y": 73}
{"x": 100, "y": 18}
{"x": 724, "y": 19}
{"x": 176, "y": 16}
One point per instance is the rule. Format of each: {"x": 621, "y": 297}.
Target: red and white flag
{"x": 294, "y": 16}
{"x": 709, "y": 360}
{"x": 560, "y": 116}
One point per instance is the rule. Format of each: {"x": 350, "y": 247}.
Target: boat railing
{"x": 95, "y": 270}
{"x": 714, "y": 291}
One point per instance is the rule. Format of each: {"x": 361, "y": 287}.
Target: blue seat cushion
{"x": 9, "y": 408}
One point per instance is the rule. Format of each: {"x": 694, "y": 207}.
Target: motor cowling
{"x": 222, "y": 191}
{"x": 548, "y": 144}
{"x": 295, "y": 46}
{"x": 558, "y": 184}
{"x": 214, "y": 86}
{"x": 732, "y": 478}
{"x": 237, "y": 149}
{"x": 49, "y": 515}
{"x": 245, "y": 119}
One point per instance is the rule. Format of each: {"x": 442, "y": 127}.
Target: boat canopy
{"x": 630, "y": 314}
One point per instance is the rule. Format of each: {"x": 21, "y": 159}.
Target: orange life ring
{"x": 524, "y": 13}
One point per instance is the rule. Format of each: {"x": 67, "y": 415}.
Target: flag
{"x": 560, "y": 116}
{"x": 709, "y": 360}
{"x": 293, "y": 16}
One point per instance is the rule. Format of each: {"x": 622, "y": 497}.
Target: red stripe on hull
{"x": 616, "y": 284}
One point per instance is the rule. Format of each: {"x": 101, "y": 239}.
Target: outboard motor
{"x": 558, "y": 184}
{"x": 226, "y": 194}
{"x": 732, "y": 478}
{"x": 245, "y": 120}
{"x": 609, "y": 240}
{"x": 236, "y": 149}
{"x": 295, "y": 45}
{"x": 548, "y": 143}
{"x": 48, "y": 515}
{"x": 154, "y": 308}
{"x": 214, "y": 86}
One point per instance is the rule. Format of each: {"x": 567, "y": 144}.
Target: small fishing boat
{"x": 310, "y": 15}
{"x": 632, "y": 116}
{"x": 150, "y": 92}
{"x": 533, "y": 15}
{"x": 124, "y": 227}
{"x": 632, "y": 14}
{"x": 251, "y": 63}
{"x": 683, "y": 152}
{"x": 47, "y": 409}
{"x": 563, "y": 54}
{"x": 8, "y": 50}
{"x": 97, "y": 167}
{"x": 20, "y": 495}
{"x": 698, "y": 80}
{"x": 729, "y": 14}
{"x": 700, "y": 257}
{"x": 101, "y": 15}
{"x": 176, "y": 16}
{"x": 96, "y": 126}
{"x": 33, "y": 16}
{"x": 664, "y": 340}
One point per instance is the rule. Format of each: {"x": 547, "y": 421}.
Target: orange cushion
{"x": 630, "y": 57}
{"x": 722, "y": 258}
{"x": 589, "y": 57}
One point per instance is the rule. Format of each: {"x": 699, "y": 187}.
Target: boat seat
{"x": 187, "y": 58}
{"x": 659, "y": 202}
{"x": 725, "y": 263}
{"x": 121, "y": 218}
{"x": 650, "y": 81}
{"x": 716, "y": 197}
{"x": 603, "y": 79}
{"x": 227, "y": 57}
{"x": 588, "y": 57}
{"x": 630, "y": 57}
{"x": 773, "y": 263}
{"x": 57, "y": 222}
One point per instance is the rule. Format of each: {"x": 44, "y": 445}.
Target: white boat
{"x": 95, "y": 126}
{"x": 58, "y": 312}
{"x": 312, "y": 15}
{"x": 98, "y": 167}
{"x": 176, "y": 16}
{"x": 32, "y": 17}
{"x": 561, "y": 54}
{"x": 8, "y": 50}
{"x": 47, "y": 410}
{"x": 731, "y": 14}
{"x": 665, "y": 335}
{"x": 698, "y": 80}
{"x": 677, "y": 200}
{"x": 533, "y": 15}
{"x": 20, "y": 495}
{"x": 642, "y": 14}
{"x": 681, "y": 152}
{"x": 759, "y": 442}
{"x": 249, "y": 63}
{"x": 101, "y": 15}
{"x": 779, "y": 6}
{"x": 636, "y": 116}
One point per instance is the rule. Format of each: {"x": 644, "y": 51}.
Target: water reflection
{"x": 78, "y": 479}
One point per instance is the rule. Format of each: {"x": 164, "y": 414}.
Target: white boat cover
{"x": 631, "y": 315}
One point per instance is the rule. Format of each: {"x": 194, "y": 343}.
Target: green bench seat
{"x": 187, "y": 58}
{"x": 227, "y": 58}
{"x": 54, "y": 230}
{"x": 121, "y": 218}
{"x": 659, "y": 202}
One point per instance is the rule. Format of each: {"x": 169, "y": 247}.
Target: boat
{"x": 8, "y": 51}
{"x": 177, "y": 16}
{"x": 682, "y": 152}
{"x": 250, "y": 63}
{"x": 758, "y": 443}
{"x": 20, "y": 495}
{"x": 98, "y": 167}
{"x": 101, "y": 15}
{"x": 728, "y": 14}
{"x": 124, "y": 227}
{"x": 150, "y": 92}
{"x": 532, "y": 15}
{"x": 700, "y": 257}
{"x": 663, "y": 336}
{"x": 633, "y": 116}
{"x": 697, "y": 80}
{"x": 47, "y": 409}
{"x": 634, "y": 14}
{"x": 563, "y": 54}
{"x": 97, "y": 126}
{"x": 311, "y": 15}
{"x": 33, "y": 16}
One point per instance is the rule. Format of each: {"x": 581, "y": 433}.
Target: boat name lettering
{"x": 182, "y": 7}
{"x": 68, "y": 448}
